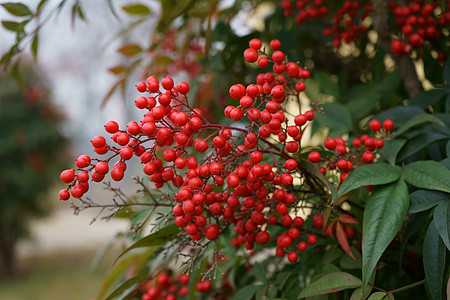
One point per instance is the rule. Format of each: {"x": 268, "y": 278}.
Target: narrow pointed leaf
{"x": 371, "y": 174}
{"x": 130, "y": 49}
{"x": 136, "y": 9}
{"x": 417, "y": 120}
{"x": 441, "y": 219}
{"x": 434, "y": 261}
{"x": 385, "y": 212}
{"x": 17, "y": 9}
{"x": 128, "y": 286}
{"x": 347, "y": 219}
{"x": 157, "y": 238}
{"x": 34, "y": 46}
{"x": 343, "y": 241}
{"x": 429, "y": 175}
{"x": 413, "y": 225}
{"x": 11, "y": 26}
{"x": 425, "y": 199}
{"x": 330, "y": 283}
{"x": 391, "y": 149}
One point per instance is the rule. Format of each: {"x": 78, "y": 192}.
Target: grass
{"x": 56, "y": 276}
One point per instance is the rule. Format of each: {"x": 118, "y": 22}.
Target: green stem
{"x": 407, "y": 287}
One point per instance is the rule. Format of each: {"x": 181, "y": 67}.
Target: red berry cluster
{"x": 245, "y": 177}
{"x": 348, "y": 22}
{"x": 419, "y": 22}
{"x": 167, "y": 286}
{"x": 345, "y": 158}
{"x": 304, "y": 9}
{"x": 347, "y": 19}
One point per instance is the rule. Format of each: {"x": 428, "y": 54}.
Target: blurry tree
{"x": 30, "y": 155}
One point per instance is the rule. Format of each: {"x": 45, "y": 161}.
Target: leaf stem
{"x": 407, "y": 287}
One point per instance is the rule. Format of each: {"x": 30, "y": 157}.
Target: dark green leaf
{"x": 370, "y": 174}
{"x": 137, "y": 9}
{"x": 428, "y": 175}
{"x": 385, "y": 212}
{"x": 327, "y": 85}
{"x": 447, "y": 149}
{"x": 428, "y": 98}
{"x": 441, "y": 218}
{"x": 434, "y": 261}
{"x": 336, "y": 117}
{"x": 413, "y": 226}
{"x": 417, "y": 120}
{"x": 11, "y": 26}
{"x": 425, "y": 199}
{"x": 419, "y": 142}
{"x": 34, "y": 46}
{"x": 157, "y": 238}
{"x": 330, "y": 283}
{"x": 128, "y": 286}
{"x": 17, "y": 9}
{"x": 392, "y": 148}
{"x": 247, "y": 292}
{"x": 130, "y": 49}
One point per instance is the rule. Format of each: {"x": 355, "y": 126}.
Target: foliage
{"x": 363, "y": 68}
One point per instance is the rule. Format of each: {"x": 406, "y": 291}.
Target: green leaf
{"x": 11, "y": 26}
{"x": 425, "y": 199}
{"x": 429, "y": 175}
{"x": 247, "y": 292}
{"x": 370, "y": 174}
{"x": 312, "y": 169}
{"x": 385, "y": 212}
{"x": 118, "y": 69}
{"x": 419, "y": 142}
{"x": 130, "y": 50}
{"x": 418, "y": 120}
{"x": 34, "y": 46}
{"x": 336, "y": 117}
{"x": 137, "y": 9}
{"x": 413, "y": 226}
{"x": 392, "y": 148}
{"x": 128, "y": 286}
{"x": 330, "y": 283}
{"x": 17, "y": 9}
{"x": 119, "y": 271}
{"x": 441, "y": 219}
{"x": 327, "y": 85}
{"x": 428, "y": 98}
{"x": 378, "y": 296}
{"x": 157, "y": 238}
{"x": 434, "y": 261}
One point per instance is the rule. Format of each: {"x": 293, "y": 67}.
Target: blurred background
{"x": 45, "y": 125}
{"x": 47, "y": 118}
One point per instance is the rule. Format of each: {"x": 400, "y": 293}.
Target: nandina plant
{"x": 250, "y": 196}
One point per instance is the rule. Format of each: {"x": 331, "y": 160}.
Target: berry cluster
{"x": 362, "y": 149}
{"x": 419, "y": 22}
{"x": 248, "y": 177}
{"x": 347, "y": 19}
{"x": 167, "y": 286}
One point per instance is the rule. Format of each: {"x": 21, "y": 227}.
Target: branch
{"x": 404, "y": 62}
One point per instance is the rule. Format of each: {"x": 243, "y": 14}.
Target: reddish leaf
{"x": 347, "y": 219}
{"x": 342, "y": 239}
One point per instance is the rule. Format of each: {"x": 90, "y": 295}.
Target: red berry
{"x": 375, "y": 125}
{"x": 67, "y": 176}
{"x": 388, "y": 124}
{"x": 312, "y": 239}
{"x": 183, "y": 88}
{"x": 330, "y": 143}
{"x": 212, "y": 232}
{"x": 368, "y": 157}
{"x": 275, "y": 44}
{"x": 111, "y": 127}
{"x": 98, "y": 142}
{"x": 167, "y": 83}
{"x": 64, "y": 194}
{"x": 255, "y": 44}
{"x": 251, "y": 55}
{"x": 292, "y": 256}
{"x": 314, "y": 157}
{"x": 302, "y": 246}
